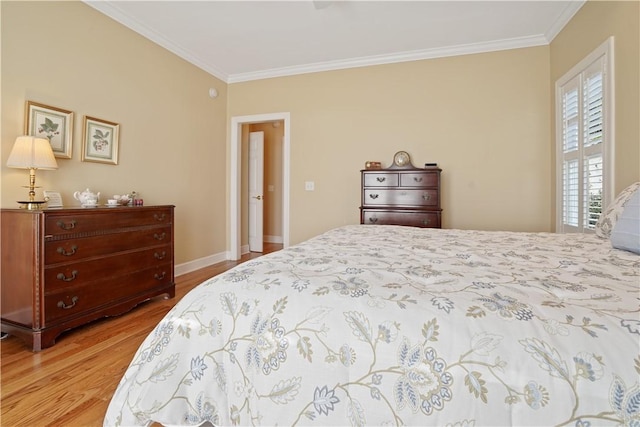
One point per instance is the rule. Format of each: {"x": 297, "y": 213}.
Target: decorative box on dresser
{"x": 401, "y": 196}
{"x": 62, "y": 268}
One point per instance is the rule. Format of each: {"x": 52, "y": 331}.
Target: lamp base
{"x": 32, "y": 205}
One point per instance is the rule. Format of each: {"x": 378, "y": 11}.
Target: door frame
{"x": 235, "y": 176}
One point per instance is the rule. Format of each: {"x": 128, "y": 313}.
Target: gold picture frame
{"x": 100, "y": 141}
{"x": 55, "y": 124}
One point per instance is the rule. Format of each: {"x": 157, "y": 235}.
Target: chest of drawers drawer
{"x": 401, "y": 217}
{"x": 96, "y": 221}
{"x": 61, "y": 276}
{"x": 73, "y": 249}
{"x": 381, "y": 179}
{"x": 419, "y": 179}
{"x": 400, "y": 197}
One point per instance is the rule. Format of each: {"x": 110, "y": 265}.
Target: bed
{"x": 392, "y": 325}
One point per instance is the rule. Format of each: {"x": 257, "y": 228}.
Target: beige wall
{"x": 486, "y": 119}
{"x": 483, "y": 118}
{"x": 172, "y": 134}
{"x": 594, "y": 23}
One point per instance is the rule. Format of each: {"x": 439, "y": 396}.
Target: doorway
{"x": 236, "y": 169}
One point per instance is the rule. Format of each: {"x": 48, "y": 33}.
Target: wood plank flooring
{"x": 71, "y": 383}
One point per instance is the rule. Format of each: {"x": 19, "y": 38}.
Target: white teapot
{"x": 87, "y": 198}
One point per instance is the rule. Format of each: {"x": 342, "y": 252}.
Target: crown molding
{"x": 570, "y": 10}
{"x": 465, "y": 49}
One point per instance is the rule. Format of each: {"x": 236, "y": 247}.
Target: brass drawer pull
{"x": 67, "y": 226}
{"x": 374, "y": 196}
{"x": 381, "y": 178}
{"x": 157, "y": 255}
{"x": 426, "y": 196}
{"x": 426, "y": 221}
{"x": 61, "y": 276}
{"x": 63, "y": 251}
{"x": 159, "y": 217}
{"x": 159, "y": 236}
{"x": 373, "y": 219}
{"x": 62, "y": 305}
{"x": 159, "y": 276}
{"x": 417, "y": 178}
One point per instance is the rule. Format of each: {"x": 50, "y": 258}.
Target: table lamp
{"x": 30, "y": 152}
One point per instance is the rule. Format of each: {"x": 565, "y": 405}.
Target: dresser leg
{"x": 31, "y": 338}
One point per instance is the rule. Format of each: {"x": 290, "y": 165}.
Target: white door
{"x": 256, "y": 198}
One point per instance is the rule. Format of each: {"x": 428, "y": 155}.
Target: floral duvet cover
{"x": 389, "y": 325}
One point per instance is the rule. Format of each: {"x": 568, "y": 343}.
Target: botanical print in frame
{"x": 52, "y": 123}
{"x": 100, "y": 141}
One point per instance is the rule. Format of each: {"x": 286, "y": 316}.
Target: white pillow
{"x": 626, "y": 233}
{"x": 610, "y": 215}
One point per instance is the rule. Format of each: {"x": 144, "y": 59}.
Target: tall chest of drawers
{"x": 401, "y": 197}
{"x": 62, "y": 268}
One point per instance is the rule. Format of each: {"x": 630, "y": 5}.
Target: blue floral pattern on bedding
{"x": 388, "y": 325}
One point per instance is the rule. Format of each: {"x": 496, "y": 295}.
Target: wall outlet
{"x": 309, "y": 185}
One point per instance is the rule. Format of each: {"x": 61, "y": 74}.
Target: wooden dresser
{"x": 62, "y": 268}
{"x": 407, "y": 196}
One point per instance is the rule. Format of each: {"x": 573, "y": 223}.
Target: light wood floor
{"x": 71, "y": 383}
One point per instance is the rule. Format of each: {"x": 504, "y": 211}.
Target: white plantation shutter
{"x": 584, "y": 141}
{"x": 571, "y": 189}
{"x": 593, "y": 94}
{"x": 592, "y": 190}
{"x": 570, "y": 151}
{"x": 593, "y": 99}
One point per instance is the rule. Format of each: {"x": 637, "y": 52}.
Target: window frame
{"x": 605, "y": 52}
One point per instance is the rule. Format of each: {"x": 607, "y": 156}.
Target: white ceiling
{"x": 249, "y": 40}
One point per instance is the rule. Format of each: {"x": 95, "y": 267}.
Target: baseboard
{"x": 197, "y": 264}
{"x": 273, "y": 239}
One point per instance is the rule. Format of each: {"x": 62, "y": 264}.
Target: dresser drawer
{"x": 400, "y": 197}
{"x": 381, "y": 179}
{"x": 78, "y": 248}
{"x": 100, "y": 220}
{"x": 78, "y": 300}
{"x": 63, "y": 276}
{"x": 405, "y": 217}
{"x": 419, "y": 179}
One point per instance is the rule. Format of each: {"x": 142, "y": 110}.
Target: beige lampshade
{"x": 32, "y": 152}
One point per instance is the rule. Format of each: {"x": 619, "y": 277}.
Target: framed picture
{"x": 100, "y": 141}
{"x": 53, "y": 198}
{"x": 52, "y": 123}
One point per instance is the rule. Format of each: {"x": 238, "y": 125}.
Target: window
{"x": 584, "y": 141}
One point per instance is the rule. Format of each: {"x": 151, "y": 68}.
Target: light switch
{"x": 309, "y": 185}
